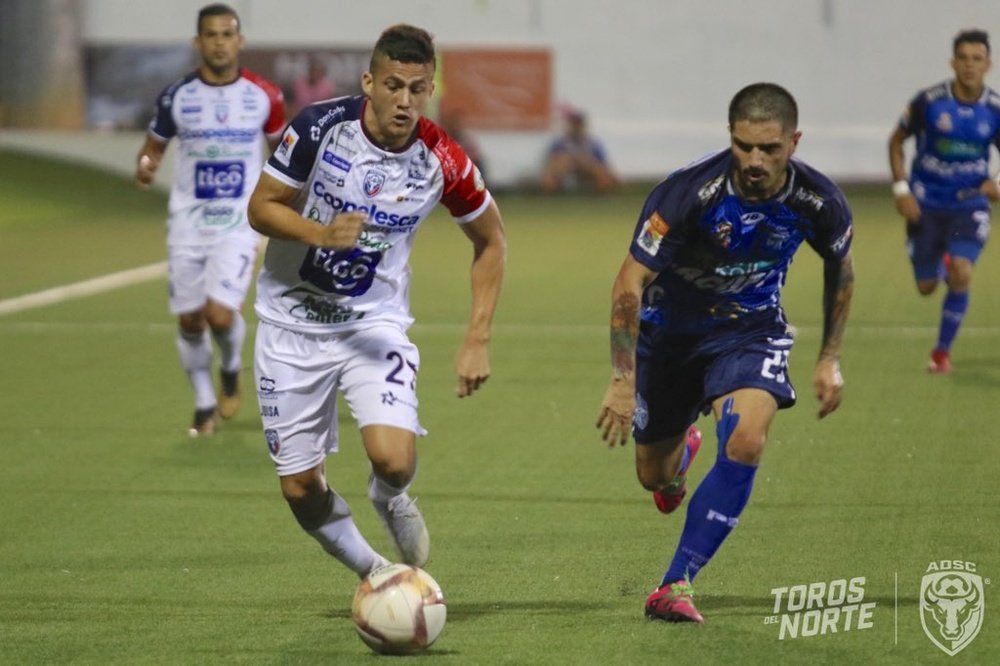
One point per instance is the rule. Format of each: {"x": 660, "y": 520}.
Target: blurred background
{"x": 654, "y": 77}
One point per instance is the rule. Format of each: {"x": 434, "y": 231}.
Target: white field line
{"x": 154, "y": 271}
{"x": 863, "y": 331}
{"x": 86, "y": 288}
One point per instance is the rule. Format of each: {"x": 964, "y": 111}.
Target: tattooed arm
{"x": 838, "y": 285}
{"x": 615, "y": 420}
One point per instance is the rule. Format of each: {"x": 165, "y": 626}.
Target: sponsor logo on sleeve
{"x": 653, "y": 231}
{"x": 283, "y": 153}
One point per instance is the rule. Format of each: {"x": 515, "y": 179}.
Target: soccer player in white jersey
{"x": 341, "y": 199}
{"x": 220, "y": 115}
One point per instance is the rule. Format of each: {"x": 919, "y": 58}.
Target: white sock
{"x": 196, "y": 359}
{"x": 231, "y": 344}
{"x": 340, "y": 537}
{"x": 380, "y": 492}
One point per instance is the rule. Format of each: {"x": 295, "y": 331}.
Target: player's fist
{"x": 144, "y": 171}
{"x": 343, "y": 231}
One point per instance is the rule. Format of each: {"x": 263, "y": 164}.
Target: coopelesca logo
{"x": 952, "y": 604}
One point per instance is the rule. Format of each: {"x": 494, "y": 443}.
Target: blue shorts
{"x": 959, "y": 233}
{"x": 677, "y": 379}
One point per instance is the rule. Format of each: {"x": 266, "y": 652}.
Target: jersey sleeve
{"x": 834, "y": 230}
{"x": 162, "y": 125}
{"x": 657, "y": 232}
{"x": 464, "y": 194}
{"x": 276, "y": 118}
{"x": 293, "y": 159}
{"x": 912, "y": 119}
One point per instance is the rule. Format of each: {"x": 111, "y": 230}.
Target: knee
{"x": 746, "y": 447}
{"x": 396, "y": 471}
{"x": 959, "y": 275}
{"x": 926, "y": 287}
{"x": 192, "y": 323}
{"x": 650, "y": 479}
{"x": 219, "y": 318}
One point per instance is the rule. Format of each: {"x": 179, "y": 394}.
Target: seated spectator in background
{"x": 315, "y": 86}
{"x": 453, "y": 122}
{"x": 577, "y": 159}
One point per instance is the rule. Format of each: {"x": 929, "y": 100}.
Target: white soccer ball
{"x": 398, "y": 609}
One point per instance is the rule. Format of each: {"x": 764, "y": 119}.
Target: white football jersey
{"x": 327, "y": 155}
{"x": 220, "y": 132}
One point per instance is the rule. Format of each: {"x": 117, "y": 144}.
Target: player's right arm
{"x": 148, "y": 160}
{"x": 615, "y": 419}
{"x": 270, "y": 213}
{"x": 906, "y": 202}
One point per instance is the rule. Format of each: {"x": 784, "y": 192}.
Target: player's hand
{"x": 473, "y": 367}
{"x": 829, "y": 385}
{"x": 908, "y": 207}
{"x": 615, "y": 419}
{"x": 144, "y": 172}
{"x": 343, "y": 231}
{"x": 991, "y": 189}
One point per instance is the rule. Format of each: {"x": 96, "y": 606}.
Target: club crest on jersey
{"x": 723, "y": 233}
{"x": 374, "y": 180}
{"x": 944, "y": 123}
{"x": 222, "y": 112}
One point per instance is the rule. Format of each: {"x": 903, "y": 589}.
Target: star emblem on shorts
{"x": 388, "y": 398}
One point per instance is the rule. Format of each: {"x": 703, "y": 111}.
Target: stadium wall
{"x": 655, "y": 76}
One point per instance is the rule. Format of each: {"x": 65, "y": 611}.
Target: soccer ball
{"x": 398, "y": 609}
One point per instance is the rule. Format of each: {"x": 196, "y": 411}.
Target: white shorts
{"x": 221, "y": 271}
{"x": 299, "y": 375}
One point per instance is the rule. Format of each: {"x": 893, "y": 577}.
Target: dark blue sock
{"x": 714, "y": 508}
{"x": 952, "y": 312}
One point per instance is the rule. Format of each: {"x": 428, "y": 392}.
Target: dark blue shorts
{"x": 677, "y": 378}
{"x": 959, "y": 233}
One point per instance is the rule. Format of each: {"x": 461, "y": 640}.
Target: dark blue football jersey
{"x": 722, "y": 261}
{"x": 953, "y": 146}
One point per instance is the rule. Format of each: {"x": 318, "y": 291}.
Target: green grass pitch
{"x": 122, "y": 541}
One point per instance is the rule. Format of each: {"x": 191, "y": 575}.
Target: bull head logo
{"x": 951, "y": 608}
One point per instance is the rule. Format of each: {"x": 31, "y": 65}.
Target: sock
{"x": 195, "y": 351}
{"x": 231, "y": 344}
{"x": 380, "y": 492}
{"x": 715, "y": 507}
{"x": 952, "y": 312}
{"x": 340, "y": 537}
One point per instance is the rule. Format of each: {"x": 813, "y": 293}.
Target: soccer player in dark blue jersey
{"x": 697, "y": 326}
{"x": 945, "y": 202}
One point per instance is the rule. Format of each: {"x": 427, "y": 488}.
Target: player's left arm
{"x": 489, "y": 245}
{"x": 838, "y": 286}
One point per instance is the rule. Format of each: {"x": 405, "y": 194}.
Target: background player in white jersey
{"x": 220, "y": 114}
{"x": 341, "y": 200}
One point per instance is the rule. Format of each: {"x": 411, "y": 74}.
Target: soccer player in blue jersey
{"x": 697, "y": 325}
{"x": 945, "y": 202}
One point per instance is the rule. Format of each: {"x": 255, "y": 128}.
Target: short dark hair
{"x": 971, "y": 37}
{"x": 404, "y": 43}
{"x": 762, "y": 102}
{"x": 217, "y": 9}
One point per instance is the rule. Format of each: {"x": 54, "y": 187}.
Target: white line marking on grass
{"x": 86, "y": 288}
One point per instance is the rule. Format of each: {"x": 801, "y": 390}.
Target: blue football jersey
{"x": 953, "y": 146}
{"x": 721, "y": 260}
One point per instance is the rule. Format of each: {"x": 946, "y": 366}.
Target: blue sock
{"x": 952, "y": 312}
{"x": 715, "y": 507}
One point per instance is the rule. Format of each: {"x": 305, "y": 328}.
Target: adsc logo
{"x": 951, "y": 604}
